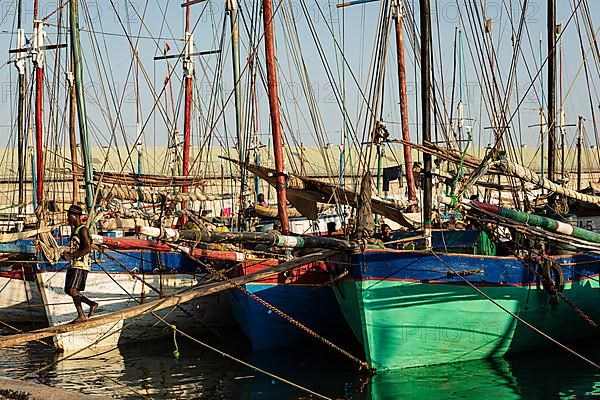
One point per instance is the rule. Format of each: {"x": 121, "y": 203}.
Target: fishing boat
{"x": 449, "y": 295}
{"x": 125, "y": 271}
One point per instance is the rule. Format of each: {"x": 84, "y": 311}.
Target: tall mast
{"x": 561, "y": 111}
{"x": 235, "y": 46}
{"x": 551, "y": 88}
{"x": 188, "y": 72}
{"x": 20, "y": 64}
{"x": 543, "y": 121}
{"x": 72, "y": 140}
{"x": 426, "y": 108}
{"x": 275, "y": 117}
{"x": 81, "y": 111}
{"x": 38, "y": 59}
{"x": 410, "y": 180}
{"x": 579, "y": 145}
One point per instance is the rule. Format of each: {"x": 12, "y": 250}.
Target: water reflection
{"x": 150, "y": 370}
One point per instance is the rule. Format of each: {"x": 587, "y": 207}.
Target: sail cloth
{"x": 13, "y": 237}
{"x": 152, "y": 180}
{"x": 304, "y": 193}
{"x": 521, "y": 172}
{"x": 508, "y": 167}
{"x": 144, "y": 195}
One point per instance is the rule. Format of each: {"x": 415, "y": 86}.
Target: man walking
{"x": 79, "y": 262}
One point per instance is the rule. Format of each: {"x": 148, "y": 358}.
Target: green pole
{"x": 81, "y": 113}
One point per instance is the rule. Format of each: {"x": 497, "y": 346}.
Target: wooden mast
{"x": 426, "y": 113}
{"x": 551, "y": 120}
{"x": 410, "y": 180}
{"x": 38, "y": 59}
{"x": 20, "y": 64}
{"x": 81, "y": 111}
{"x": 235, "y": 49}
{"x": 275, "y": 117}
{"x": 188, "y": 71}
{"x": 579, "y": 147}
{"x": 72, "y": 139}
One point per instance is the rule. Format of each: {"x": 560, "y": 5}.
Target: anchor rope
{"x": 283, "y": 315}
{"x": 552, "y": 287}
{"x": 239, "y": 361}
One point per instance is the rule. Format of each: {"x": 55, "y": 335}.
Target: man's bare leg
{"x": 77, "y": 299}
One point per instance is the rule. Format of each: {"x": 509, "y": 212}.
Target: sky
{"x": 121, "y": 109}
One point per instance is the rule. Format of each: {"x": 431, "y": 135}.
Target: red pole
{"x": 39, "y": 97}
{"x": 410, "y": 180}
{"x": 275, "y": 117}
{"x": 188, "y": 72}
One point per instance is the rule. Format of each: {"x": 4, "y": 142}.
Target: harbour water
{"x": 150, "y": 370}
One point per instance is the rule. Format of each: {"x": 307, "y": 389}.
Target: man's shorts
{"x": 76, "y": 278}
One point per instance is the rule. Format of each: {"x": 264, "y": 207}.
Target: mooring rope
{"x": 237, "y": 360}
{"x": 529, "y": 325}
{"x": 283, "y": 315}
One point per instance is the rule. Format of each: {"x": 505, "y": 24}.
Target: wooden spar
{"x": 426, "y": 106}
{"x": 155, "y": 305}
{"x": 232, "y": 9}
{"x": 141, "y": 244}
{"x": 545, "y": 223}
{"x": 20, "y": 64}
{"x": 39, "y": 98}
{"x": 267, "y": 238}
{"x": 275, "y": 117}
{"x": 410, "y": 180}
{"x": 551, "y": 12}
{"x": 72, "y": 140}
{"x": 354, "y": 3}
{"x": 81, "y": 111}
{"x": 188, "y": 72}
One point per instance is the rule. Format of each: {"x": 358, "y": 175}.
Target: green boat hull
{"x": 410, "y": 323}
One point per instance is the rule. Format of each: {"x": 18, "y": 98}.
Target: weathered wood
{"x": 155, "y": 305}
